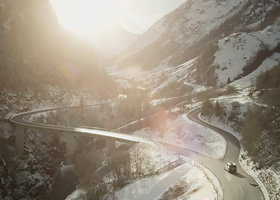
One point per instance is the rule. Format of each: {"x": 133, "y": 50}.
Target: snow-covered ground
{"x": 196, "y": 88}
{"x": 250, "y": 79}
{"x": 76, "y": 195}
{"x": 173, "y": 74}
{"x": 43, "y": 98}
{"x": 194, "y": 178}
{"x": 235, "y": 51}
{"x": 187, "y": 134}
{"x": 196, "y": 19}
{"x": 270, "y": 36}
{"x": 124, "y": 83}
{"x": 197, "y": 185}
{"x": 159, "y": 77}
{"x": 238, "y": 50}
{"x": 196, "y": 181}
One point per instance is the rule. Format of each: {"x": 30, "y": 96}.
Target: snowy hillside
{"x": 179, "y": 30}
{"x": 230, "y": 38}
{"x": 234, "y": 53}
{"x": 13, "y": 102}
{"x": 220, "y": 55}
{"x": 239, "y": 49}
{"x": 185, "y": 133}
{"x": 267, "y": 64}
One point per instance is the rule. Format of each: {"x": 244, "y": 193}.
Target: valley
{"x": 155, "y": 115}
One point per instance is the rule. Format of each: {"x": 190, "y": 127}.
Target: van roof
{"x": 229, "y": 163}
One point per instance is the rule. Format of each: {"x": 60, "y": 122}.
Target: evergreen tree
{"x": 228, "y": 80}
{"x": 218, "y": 109}
{"x": 207, "y": 107}
{"x": 251, "y": 130}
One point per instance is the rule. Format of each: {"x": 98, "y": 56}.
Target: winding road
{"x": 21, "y": 120}
{"x": 239, "y": 186}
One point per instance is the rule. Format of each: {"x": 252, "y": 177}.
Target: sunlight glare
{"x": 84, "y": 17}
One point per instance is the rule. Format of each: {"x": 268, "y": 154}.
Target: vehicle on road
{"x": 231, "y": 167}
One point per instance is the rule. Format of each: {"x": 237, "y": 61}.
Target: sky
{"x": 84, "y": 17}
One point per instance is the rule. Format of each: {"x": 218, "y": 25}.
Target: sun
{"x": 84, "y": 17}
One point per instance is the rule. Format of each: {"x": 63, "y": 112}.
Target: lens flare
{"x": 69, "y": 71}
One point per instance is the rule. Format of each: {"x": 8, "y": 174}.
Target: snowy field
{"x": 185, "y": 133}
{"x": 238, "y": 49}
{"x": 197, "y": 185}
{"x": 250, "y": 79}
{"x": 193, "y": 180}
{"x": 233, "y": 55}
{"x": 159, "y": 77}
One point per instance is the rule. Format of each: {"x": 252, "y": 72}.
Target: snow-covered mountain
{"x": 180, "y": 29}
{"x": 201, "y": 44}
{"x": 231, "y": 38}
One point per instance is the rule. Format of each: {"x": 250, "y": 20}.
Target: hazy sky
{"x": 87, "y": 16}
{"x": 145, "y": 12}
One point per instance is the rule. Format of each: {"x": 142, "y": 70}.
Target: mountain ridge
{"x": 167, "y": 42}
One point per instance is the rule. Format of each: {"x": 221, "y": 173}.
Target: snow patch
{"x": 235, "y": 52}
{"x": 250, "y": 79}
{"x": 187, "y": 134}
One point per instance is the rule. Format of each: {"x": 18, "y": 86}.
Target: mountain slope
{"x": 231, "y": 38}
{"x": 36, "y": 51}
{"x": 178, "y": 31}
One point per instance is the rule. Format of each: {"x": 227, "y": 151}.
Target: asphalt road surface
{"x": 239, "y": 186}
{"x": 21, "y": 120}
